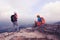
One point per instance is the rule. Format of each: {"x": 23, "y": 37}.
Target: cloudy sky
{"x": 28, "y": 9}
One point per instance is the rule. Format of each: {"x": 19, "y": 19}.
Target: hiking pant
{"x": 40, "y": 28}
{"x": 15, "y": 26}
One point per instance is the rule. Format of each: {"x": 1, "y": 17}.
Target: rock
{"x": 27, "y": 34}
{"x": 17, "y": 38}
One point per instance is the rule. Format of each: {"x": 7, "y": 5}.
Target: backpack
{"x": 42, "y": 22}
{"x": 12, "y": 18}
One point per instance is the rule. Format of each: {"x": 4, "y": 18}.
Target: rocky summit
{"x": 28, "y": 34}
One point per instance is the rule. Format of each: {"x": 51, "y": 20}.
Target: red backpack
{"x": 42, "y": 22}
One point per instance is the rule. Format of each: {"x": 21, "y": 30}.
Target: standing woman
{"x": 14, "y": 21}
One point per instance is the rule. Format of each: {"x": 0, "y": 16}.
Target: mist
{"x": 27, "y": 11}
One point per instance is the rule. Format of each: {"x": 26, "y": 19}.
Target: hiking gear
{"x": 15, "y": 23}
{"x": 39, "y": 23}
{"x": 43, "y": 20}
{"x": 13, "y": 18}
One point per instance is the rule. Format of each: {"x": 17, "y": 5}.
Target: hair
{"x": 15, "y": 13}
{"x": 38, "y": 15}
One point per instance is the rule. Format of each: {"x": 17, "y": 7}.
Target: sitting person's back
{"x": 43, "y": 20}
{"x": 40, "y": 21}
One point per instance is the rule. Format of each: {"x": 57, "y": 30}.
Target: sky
{"x": 28, "y": 9}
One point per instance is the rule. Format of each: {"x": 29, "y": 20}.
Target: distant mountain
{"x": 57, "y": 23}
{"x": 28, "y": 34}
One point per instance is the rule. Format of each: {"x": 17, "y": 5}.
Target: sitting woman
{"x": 40, "y": 21}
